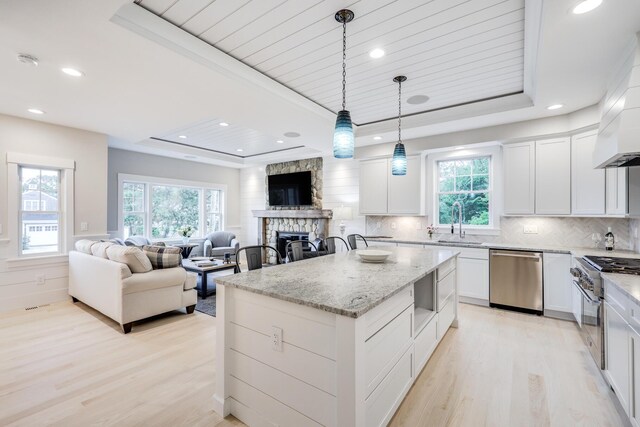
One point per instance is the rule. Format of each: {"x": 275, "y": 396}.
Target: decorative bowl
{"x": 373, "y": 255}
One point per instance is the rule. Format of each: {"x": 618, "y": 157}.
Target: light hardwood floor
{"x": 68, "y": 365}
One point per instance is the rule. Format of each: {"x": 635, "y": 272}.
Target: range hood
{"x": 618, "y": 143}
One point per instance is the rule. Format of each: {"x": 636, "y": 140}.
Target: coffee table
{"x": 185, "y": 248}
{"x": 189, "y": 265}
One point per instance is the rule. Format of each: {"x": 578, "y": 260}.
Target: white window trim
{"x": 14, "y": 199}
{"x": 495, "y": 192}
{"x": 151, "y": 180}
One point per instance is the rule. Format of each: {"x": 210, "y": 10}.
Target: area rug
{"x": 207, "y": 306}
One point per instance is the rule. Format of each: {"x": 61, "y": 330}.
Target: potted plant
{"x": 186, "y": 232}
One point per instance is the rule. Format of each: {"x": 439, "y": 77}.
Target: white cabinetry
{"x": 374, "y": 175}
{"x": 519, "y": 178}
{"x": 617, "y": 353}
{"x": 587, "y": 183}
{"x": 473, "y": 274}
{"x": 553, "y": 177}
{"x": 616, "y": 191}
{"x": 576, "y": 303}
{"x": 557, "y": 282}
{"x": 384, "y": 194}
{"x": 634, "y": 403}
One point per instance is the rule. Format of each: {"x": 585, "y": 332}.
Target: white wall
{"x": 89, "y": 151}
{"x": 133, "y": 163}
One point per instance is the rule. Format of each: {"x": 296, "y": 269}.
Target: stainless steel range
{"x": 586, "y": 278}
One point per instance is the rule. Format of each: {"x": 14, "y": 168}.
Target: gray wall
{"x": 130, "y": 162}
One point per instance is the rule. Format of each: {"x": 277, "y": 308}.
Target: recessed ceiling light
{"x": 376, "y": 53}
{"x": 417, "y": 99}
{"x": 377, "y": 138}
{"x": 280, "y": 141}
{"x": 182, "y": 136}
{"x": 292, "y": 134}
{"x": 555, "y": 107}
{"x": 224, "y": 124}
{"x": 35, "y": 111}
{"x": 586, "y": 6}
{"x": 72, "y": 72}
{"x": 28, "y": 59}
{"x": 239, "y": 150}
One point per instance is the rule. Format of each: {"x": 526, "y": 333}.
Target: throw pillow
{"x": 163, "y": 256}
{"x": 84, "y": 246}
{"x": 100, "y": 249}
{"x": 135, "y": 259}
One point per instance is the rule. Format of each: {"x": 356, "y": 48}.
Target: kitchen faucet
{"x": 453, "y": 208}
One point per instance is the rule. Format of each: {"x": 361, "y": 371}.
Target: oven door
{"x": 592, "y": 325}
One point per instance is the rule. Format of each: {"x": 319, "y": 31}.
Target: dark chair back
{"x": 254, "y": 255}
{"x": 330, "y": 244}
{"x": 352, "y": 239}
{"x": 295, "y": 250}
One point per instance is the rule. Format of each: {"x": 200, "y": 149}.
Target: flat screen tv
{"x": 290, "y": 189}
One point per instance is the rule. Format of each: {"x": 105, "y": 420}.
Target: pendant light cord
{"x": 344, "y": 65}
{"x": 400, "y": 112}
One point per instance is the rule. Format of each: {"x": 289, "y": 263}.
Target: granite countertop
{"x": 514, "y": 246}
{"x": 627, "y": 283}
{"x": 341, "y": 283}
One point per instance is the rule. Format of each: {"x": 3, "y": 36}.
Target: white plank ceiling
{"x": 453, "y": 51}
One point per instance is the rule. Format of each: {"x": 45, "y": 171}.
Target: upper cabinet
{"x": 519, "y": 178}
{"x": 384, "y": 194}
{"x": 587, "y": 183}
{"x": 616, "y": 191}
{"x": 553, "y": 176}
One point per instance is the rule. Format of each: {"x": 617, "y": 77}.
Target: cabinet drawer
{"x": 633, "y": 317}
{"x": 446, "y": 287}
{"x": 615, "y": 298}
{"x": 446, "y": 268}
{"x": 383, "y": 402}
{"x": 473, "y": 253}
{"x": 379, "y": 316}
{"x": 385, "y": 348}
{"x": 446, "y": 316}
{"x": 425, "y": 343}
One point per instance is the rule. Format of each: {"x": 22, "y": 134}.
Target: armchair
{"x": 219, "y": 242}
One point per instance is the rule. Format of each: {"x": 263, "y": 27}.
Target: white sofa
{"x": 111, "y": 288}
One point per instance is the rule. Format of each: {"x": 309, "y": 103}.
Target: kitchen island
{"x": 331, "y": 340}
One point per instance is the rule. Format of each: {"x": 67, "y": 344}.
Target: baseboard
{"x": 559, "y": 315}
{"x": 474, "y": 301}
{"x": 34, "y": 299}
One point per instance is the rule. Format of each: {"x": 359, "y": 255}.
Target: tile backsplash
{"x": 550, "y": 231}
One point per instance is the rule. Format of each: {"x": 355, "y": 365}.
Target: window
{"x": 468, "y": 182}
{"x": 39, "y": 193}
{"x": 158, "y": 210}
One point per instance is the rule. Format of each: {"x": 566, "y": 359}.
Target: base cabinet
{"x": 634, "y": 356}
{"x": 617, "y": 353}
{"x": 557, "y": 282}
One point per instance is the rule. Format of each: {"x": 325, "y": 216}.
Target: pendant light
{"x": 343, "y": 139}
{"x": 399, "y": 161}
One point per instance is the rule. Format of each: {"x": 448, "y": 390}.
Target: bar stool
{"x": 254, "y": 256}
{"x": 351, "y": 238}
{"x": 330, "y": 243}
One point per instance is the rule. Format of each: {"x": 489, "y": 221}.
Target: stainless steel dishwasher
{"x": 515, "y": 280}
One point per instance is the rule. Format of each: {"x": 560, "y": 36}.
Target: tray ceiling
{"x": 453, "y": 51}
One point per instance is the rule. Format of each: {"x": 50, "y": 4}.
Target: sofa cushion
{"x": 163, "y": 256}
{"x": 84, "y": 246}
{"x": 190, "y": 281}
{"x": 135, "y": 259}
{"x": 155, "y": 279}
{"x": 100, "y": 249}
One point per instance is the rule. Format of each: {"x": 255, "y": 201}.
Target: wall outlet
{"x": 276, "y": 338}
{"x": 84, "y": 226}
{"x": 393, "y": 225}
{"x": 530, "y": 229}
{"x": 40, "y": 279}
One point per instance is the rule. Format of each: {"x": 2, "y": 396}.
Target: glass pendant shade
{"x": 343, "y": 138}
{"x": 399, "y": 160}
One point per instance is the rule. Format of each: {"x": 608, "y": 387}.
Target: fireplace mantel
{"x": 291, "y": 213}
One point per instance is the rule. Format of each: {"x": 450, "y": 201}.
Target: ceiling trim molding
{"x": 152, "y": 27}
{"x": 211, "y": 150}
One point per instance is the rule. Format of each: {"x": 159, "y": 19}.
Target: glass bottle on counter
{"x": 609, "y": 240}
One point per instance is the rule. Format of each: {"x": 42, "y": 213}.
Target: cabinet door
{"x": 617, "y": 353}
{"x": 519, "y": 178}
{"x": 405, "y": 192}
{"x": 587, "y": 183}
{"x": 576, "y": 300}
{"x": 557, "y": 282}
{"x": 373, "y": 186}
{"x": 553, "y": 177}
{"x": 616, "y": 191}
{"x": 634, "y": 406}
{"x": 473, "y": 278}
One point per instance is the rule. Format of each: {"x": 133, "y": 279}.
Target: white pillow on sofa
{"x": 135, "y": 259}
{"x": 99, "y": 249}
{"x": 84, "y": 246}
